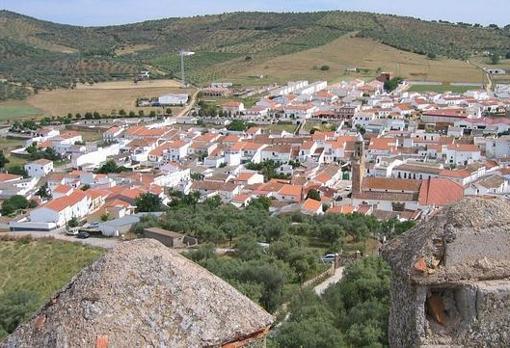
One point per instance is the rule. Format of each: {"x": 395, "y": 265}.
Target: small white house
{"x": 39, "y": 168}
{"x": 462, "y": 154}
{"x": 63, "y": 209}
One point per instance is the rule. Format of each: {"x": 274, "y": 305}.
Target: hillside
{"x": 46, "y": 55}
{"x": 346, "y": 52}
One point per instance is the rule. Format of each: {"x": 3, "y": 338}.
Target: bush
{"x": 16, "y": 307}
{"x": 13, "y": 204}
{"x": 148, "y": 202}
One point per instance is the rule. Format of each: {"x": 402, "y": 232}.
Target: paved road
{"x": 335, "y": 278}
{"x": 487, "y": 76}
{"x": 106, "y": 243}
{"x": 184, "y": 112}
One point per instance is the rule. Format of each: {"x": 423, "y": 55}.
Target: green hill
{"x": 46, "y": 55}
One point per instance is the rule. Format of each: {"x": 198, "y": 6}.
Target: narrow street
{"x": 184, "y": 112}
{"x": 335, "y": 278}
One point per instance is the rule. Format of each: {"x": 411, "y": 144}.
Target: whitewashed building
{"x": 39, "y": 168}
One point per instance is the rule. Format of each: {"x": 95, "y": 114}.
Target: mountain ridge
{"x": 46, "y": 55}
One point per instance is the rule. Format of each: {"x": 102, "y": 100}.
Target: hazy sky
{"x": 102, "y": 12}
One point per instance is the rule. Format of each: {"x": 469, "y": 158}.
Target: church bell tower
{"x": 358, "y": 165}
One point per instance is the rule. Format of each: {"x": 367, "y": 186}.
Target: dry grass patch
{"x": 99, "y": 98}
{"x": 123, "y": 51}
{"x": 349, "y": 52}
{"x": 128, "y": 84}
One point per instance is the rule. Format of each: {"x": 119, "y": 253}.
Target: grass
{"x": 350, "y": 52}
{"x": 7, "y": 145}
{"x": 103, "y": 97}
{"x": 41, "y": 266}
{"x": 17, "y": 109}
{"x": 441, "y": 88}
{"x": 278, "y": 127}
{"x": 91, "y": 136}
{"x": 322, "y": 127}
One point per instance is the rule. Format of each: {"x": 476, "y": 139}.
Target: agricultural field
{"x": 102, "y": 97}
{"x": 441, "y": 88}
{"x": 350, "y": 52}
{"x": 38, "y": 268}
{"x": 198, "y": 67}
{"x": 18, "y": 110}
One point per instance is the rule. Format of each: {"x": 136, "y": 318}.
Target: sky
{"x": 109, "y": 12}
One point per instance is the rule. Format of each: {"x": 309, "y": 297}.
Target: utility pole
{"x": 182, "y": 54}
{"x": 183, "y": 78}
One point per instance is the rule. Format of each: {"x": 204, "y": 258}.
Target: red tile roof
{"x": 4, "y": 177}
{"x": 440, "y": 192}
{"x": 291, "y": 190}
{"x": 340, "y": 209}
{"x": 311, "y": 205}
{"x": 391, "y": 184}
{"x": 61, "y": 203}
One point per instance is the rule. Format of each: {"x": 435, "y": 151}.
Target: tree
{"x": 17, "y": 170}
{"x": 44, "y": 192}
{"x": 105, "y": 216}
{"x": 309, "y": 333}
{"x": 148, "y": 202}
{"x": 13, "y": 204}
{"x": 431, "y": 55}
{"x": 310, "y": 324}
{"x": 237, "y": 125}
{"x": 314, "y": 194}
{"x": 261, "y": 202}
{"x": 361, "y": 130}
{"x": 3, "y": 160}
{"x": 110, "y": 167}
{"x": 392, "y": 84}
{"x": 248, "y": 248}
{"x": 197, "y": 176}
{"x": 325, "y": 67}
{"x": 331, "y": 233}
{"x": 74, "y": 222}
{"x": 494, "y": 59}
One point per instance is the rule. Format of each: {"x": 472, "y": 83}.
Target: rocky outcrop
{"x": 451, "y": 278}
{"x": 142, "y": 294}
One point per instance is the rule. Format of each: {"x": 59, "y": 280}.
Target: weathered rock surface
{"x": 142, "y": 294}
{"x": 451, "y": 278}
